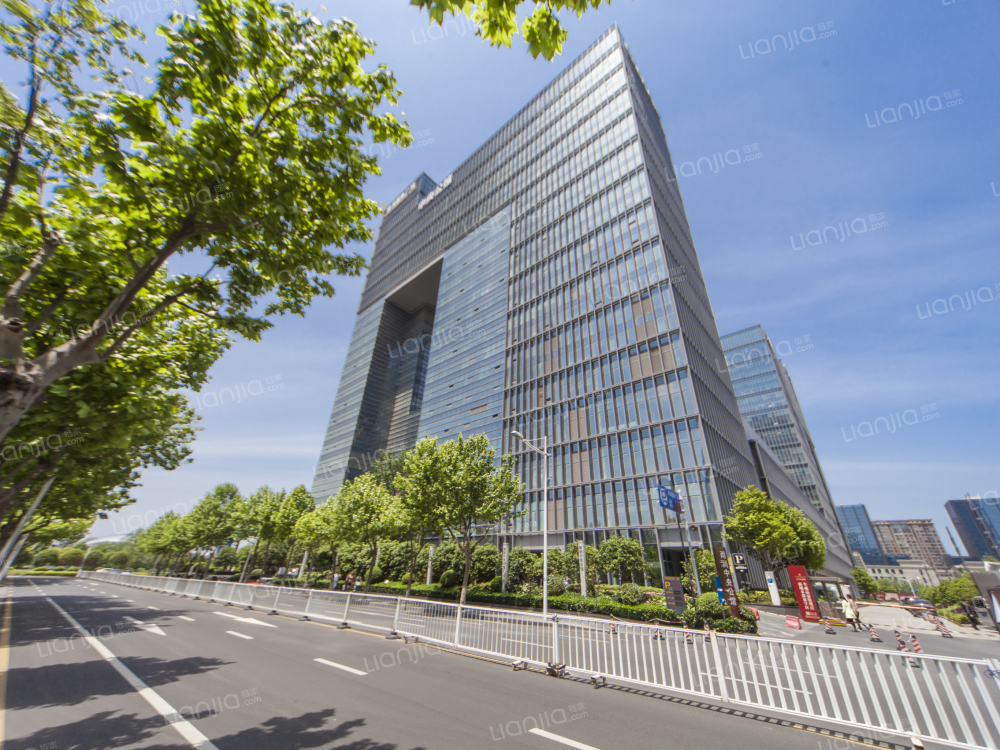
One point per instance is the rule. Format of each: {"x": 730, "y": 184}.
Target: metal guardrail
{"x": 949, "y": 700}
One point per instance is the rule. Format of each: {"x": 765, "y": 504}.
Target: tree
{"x": 418, "y": 515}
{"x": 777, "y": 534}
{"x": 520, "y": 565}
{"x": 496, "y": 20}
{"x": 865, "y": 583}
{"x": 268, "y": 173}
{"x": 621, "y": 555}
{"x": 47, "y": 531}
{"x": 209, "y": 523}
{"x": 468, "y": 493}
{"x": 705, "y": 560}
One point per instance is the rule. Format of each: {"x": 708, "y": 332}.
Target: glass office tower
{"x": 550, "y": 285}
{"x": 977, "y": 521}
{"x": 768, "y": 402}
{"x": 861, "y": 536}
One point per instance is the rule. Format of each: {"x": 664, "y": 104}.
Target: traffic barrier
{"x": 954, "y": 702}
{"x": 791, "y": 621}
{"x": 900, "y": 646}
{"x": 873, "y": 634}
{"x": 708, "y": 634}
{"x": 829, "y": 628}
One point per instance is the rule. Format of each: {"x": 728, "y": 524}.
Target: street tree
{"x": 365, "y": 513}
{"x": 777, "y": 534}
{"x": 209, "y": 523}
{"x": 621, "y": 555}
{"x": 705, "y": 561}
{"x": 496, "y": 20}
{"x": 246, "y": 152}
{"x": 865, "y": 583}
{"x": 468, "y": 494}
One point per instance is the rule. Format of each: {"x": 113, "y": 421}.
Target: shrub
{"x": 955, "y": 614}
{"x": 495, "y": 585}
{"x": 449, "y": 579}
{"x": 255, "y": 574}
{"x": 707, "y": 608}
{"x": 71, "y": 556}
{"x": 376, "y": 574}
{"x": 46, "y": 557}
{"x": 630, "y": 594}
{"x": 119, "y": 560}
{"x": 556, "y": 585}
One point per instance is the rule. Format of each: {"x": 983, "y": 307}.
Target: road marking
{"x": 189, "y": 619}
{"x": 247, "y": 619}
{"x": 187, "y": 731}
{"x": 564, "y": 740}
{"x": 144, "y": 626}
{"x": 5, "y": 655}
{"x": 526, "y": 643}
{"x": 152, "y": 607}
{"x": 240, "y": 635}
{"x": 115, "y": 596}
{"x": 131, "y": 600}
{"x": 352, "y": 670}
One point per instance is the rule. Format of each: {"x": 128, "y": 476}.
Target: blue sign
{"x": 718, "y": 590}
{"x": 669, "y": 499}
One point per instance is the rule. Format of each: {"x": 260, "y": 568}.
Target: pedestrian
{"x": 335, "y": 581}
{"x": 971, "y": 613}
{"x": 851, "y": 613}
{"x": 348, "y": 581}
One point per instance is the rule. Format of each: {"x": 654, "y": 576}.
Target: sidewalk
{"x": 895, "y": 617}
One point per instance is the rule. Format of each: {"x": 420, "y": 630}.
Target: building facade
{"x": 977, "y": 521}
{"x": 913, "y": 540}
{"x": 767, "y": 401}
{"x": 550, "y": 285}
{"x": 861, "y": 536}
{"x": 775, "y": 480}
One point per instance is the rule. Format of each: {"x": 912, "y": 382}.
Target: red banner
{"x": 803, "y": 593}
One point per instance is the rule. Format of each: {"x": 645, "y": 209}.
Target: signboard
{"x": 726, "y": 582}
{"x": 669, "y": 499}
{"x": 673, "y": 593}
{"x": 719, "y": 591}
{"x": 740, "y": 561}
{"x": 803, "y": 593}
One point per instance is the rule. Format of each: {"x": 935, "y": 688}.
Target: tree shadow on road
{"x": 71, "y": 684}
{"x": 103, "y": 730}
{"x": 305, "y": 731}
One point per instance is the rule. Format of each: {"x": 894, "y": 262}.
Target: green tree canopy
{"x": 621, "y": 555}
{"x": 247, "y": 151}
{"x": 496, "y": 20}
{"x": 865, "y": 583}
{"x": 458, "y": 481}
{"x": 777, "y": 534}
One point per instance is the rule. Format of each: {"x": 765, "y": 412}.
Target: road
{"x": 228, "y": 678}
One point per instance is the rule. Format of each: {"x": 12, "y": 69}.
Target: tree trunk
{"x": 468, "y": 567}
{"x": 371, "y": 567}
{"x": 209, "y": 565}
{"x": 413, "y": 561}
{"x": 253, "y": 558}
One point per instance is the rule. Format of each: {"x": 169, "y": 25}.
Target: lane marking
{"x": 247, "y": 619}
{"x": 5, "y": 656}
{"x": 240, "y": 635}
{"x": 131, "y": 600}
{"x": 194, "y": 738}
{"x": 189, "y": 619}
{"x": 352, "y": 670}
{"x": 144, "y": 626}
{"x": 564, "y": 740}
{"x": 152, "y": 607}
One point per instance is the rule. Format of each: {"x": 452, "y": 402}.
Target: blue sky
{"x": 858, "y": 315}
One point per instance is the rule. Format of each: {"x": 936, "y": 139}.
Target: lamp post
{"x": 543, "y": 451}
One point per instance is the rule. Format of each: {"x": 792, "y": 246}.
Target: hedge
{"x": 569, "y": 602}
{"x": 43, "y": 572}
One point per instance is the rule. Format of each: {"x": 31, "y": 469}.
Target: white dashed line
{"x": 189, "y": 619}
{"x": 563, "y": 740}
{"x": 152, "y": 607}
{"x": 240, "y": 635}
{"x": 194, "y": 738}
{"x": 352, "y": 670}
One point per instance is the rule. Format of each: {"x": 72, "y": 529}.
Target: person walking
{"x": 851, "y": 613}
{"x": 335, "y": 581}
{"x": 349, "y": 582}
{"x": 971, "y": 613}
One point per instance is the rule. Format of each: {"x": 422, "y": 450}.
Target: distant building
{"x": 977, "y": 521}
{"x": 916, "y": 572}
{"x": 767, "y": 401}
{"x": 861, "y": 536}
{"x": 775, "y": 480}
{"x": 913, "y": 540}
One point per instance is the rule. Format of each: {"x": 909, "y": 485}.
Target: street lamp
{"x": 544, "y": 451}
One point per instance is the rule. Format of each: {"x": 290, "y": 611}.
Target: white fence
{"x": 948, "y": 700}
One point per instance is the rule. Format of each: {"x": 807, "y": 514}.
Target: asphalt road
{"x": 227, "y": 678}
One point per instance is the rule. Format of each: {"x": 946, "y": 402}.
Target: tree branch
{"x": 164, "y": 304}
